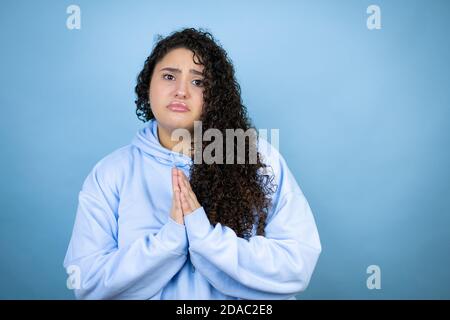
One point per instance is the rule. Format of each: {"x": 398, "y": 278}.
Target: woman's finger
{"x": 185, "y": 180}
{"x": 175, "y": 183}
{"x": 180, "y": 182}
{"x": 177, "y": 200}
{"x": 185, "y": 205}
{"x": 176, "y": 212}
{"x": 190, "y": 195}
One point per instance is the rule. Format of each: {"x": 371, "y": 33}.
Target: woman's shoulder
{"x": 116, "y": 159}
{"x": 270, "y": 155}
{"x": 277, "y": 166}
{"x": 111, "y": 168}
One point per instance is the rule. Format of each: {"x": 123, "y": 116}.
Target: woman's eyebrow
{"x": 179, "y": 71}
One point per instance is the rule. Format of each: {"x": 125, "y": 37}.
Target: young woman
{"x": 153, "y": 224}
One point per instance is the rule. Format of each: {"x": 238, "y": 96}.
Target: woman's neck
{"x": 165, "y": 140}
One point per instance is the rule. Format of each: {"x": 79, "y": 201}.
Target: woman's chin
{"x": 179, "y": 122}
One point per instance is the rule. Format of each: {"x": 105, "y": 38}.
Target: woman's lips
{"x": 178, "y": 107}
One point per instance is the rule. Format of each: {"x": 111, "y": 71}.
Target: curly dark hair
{"x": 235, "y": 195}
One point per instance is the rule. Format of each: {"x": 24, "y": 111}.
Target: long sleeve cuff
{"x": 197, "y": 225}
{"x": 173, "y": 236}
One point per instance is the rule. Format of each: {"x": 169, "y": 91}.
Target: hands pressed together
{"x": 184, "y": 200}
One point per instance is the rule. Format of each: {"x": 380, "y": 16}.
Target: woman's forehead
{"x": 180, "y": 58}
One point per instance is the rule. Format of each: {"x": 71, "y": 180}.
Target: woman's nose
{"x": 181, "y": 89}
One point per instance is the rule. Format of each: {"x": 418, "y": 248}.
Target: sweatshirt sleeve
{"x": 275, "y": 266}
{"x": 106, "y": 271}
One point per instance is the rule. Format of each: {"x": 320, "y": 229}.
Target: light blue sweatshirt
{"x": 125, "y": 245}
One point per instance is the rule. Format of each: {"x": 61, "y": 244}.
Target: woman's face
{"x": 176, "y": 78}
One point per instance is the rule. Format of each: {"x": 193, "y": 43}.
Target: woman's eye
{"x": 168, "y": 75}
{"x": 199, "y": 83}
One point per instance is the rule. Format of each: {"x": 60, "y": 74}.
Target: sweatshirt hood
{"x": 147, "y": 141}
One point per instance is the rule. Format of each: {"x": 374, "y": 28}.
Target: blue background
{"x": 363, "y": 118}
